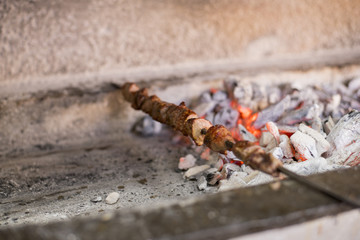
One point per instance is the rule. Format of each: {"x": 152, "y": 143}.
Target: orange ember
{"x": 246, "y": 118}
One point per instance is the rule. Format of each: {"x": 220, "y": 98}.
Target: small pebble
{"x": 202, "y": 183}
{"x": 112, "y": 198}
{"x": 96, "y": 199}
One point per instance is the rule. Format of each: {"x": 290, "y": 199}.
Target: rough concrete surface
{"x": 218, "y": 216}
{"x": 45, "y": 38}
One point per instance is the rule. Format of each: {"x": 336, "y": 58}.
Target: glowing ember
{"x": 301, "y": 129}
{"x": 246, "y": 118}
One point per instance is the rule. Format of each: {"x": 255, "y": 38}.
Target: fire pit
{"x": 76, "y": 161}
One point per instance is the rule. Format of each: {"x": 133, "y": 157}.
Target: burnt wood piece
{"x": 217, "y": 138}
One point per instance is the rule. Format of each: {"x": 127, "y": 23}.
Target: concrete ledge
{"x": 218, "y": 216}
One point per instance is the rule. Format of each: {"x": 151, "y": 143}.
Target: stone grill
{"x": 65, "y": 136}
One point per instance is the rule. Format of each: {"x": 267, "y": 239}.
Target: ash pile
{"x": 311, "y": 129}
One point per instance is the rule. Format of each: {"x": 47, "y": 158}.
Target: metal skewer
{"x": 318, "y": 187}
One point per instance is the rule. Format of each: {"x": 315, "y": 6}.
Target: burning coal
{"x": 311, "y": 129}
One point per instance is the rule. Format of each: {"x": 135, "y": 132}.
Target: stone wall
{"x": 54, "y": 38}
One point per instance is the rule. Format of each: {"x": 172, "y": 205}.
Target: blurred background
{"x": 54, "y": 38}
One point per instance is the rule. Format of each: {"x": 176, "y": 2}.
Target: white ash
{"x": 273, "y": 129}
{"x": 322, "y": 145}
{"x": 204, "y": 108}
{"x": 277, "y": 152}
{"x": 328, "y": 125}
{"x": 243, "y": 93}
{"x": 271, "y": 145}
{"x": 219, "y": 96}
{"x": 317, "y": 125}
{"x": 257, "y": 178}
{"x": 226, "y": 116}
{"x": 112, "y": 198}
{"x": 345, "y": 136}
{"x": 304, "y": 145}
{"x": 235, "y": 181}
{"x": 312, "y": 166}
{"x": 354, "y": 85}
{"x": 306, "y": 113}
{"x": 333, "y": 104}
{"x": 191, "y": 172}
{"x": 228, "y": 169}
{"x": 212, "y": 176}
{"x": 146, "y": 127}
{"x": 219, "y": 164}
{"x": 272, "y": 113}
{"x": 266, "y": 139}
{"x": 245, "y": 134}
{"x": 187, "y": 162}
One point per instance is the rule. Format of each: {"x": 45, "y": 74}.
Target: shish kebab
{"x": 216, "y": 137}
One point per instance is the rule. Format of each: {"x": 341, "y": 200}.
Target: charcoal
{"x": 346, "y": 133}
{"x": 354, "y": 104}
{"x": 205, "y": 97}
{"x": 259, "y": 97}
{"x": 219, "y": 164}
{"x": 321, "y": 144}
{"x": 312, "y": 166}
{"x": 258, "y": 178}
{"x": 204, "y": 108}
{"x": 304, "y": 145}
{"x": 328, "y": 124}
{"x": 147, "y": 127}
{"x": 246, "y": 169}
{"x": 303, "y": 114}
{"x": 273, "y": 129}
{"x": 317, "y": 125}
{"x": 284, "y": 129}
{"x": 212, "y": 176}
{"x": 333, "y": 105}
{"x": 353, "y": 159}
{"x": 227, "y": 117}
{"x": 357, "y": 95}
{"x": 354, "y": 85}
{"x": 229, "y": 86}
{"x": 228, "y": 169}
{"x": 245, "y": 134}
{"x": 272, "y": 113}
{"x": 219, "y": 96}
{"x": 266, "y": 138}
{"x": 271, "y": 145}
{"x": 210, "y": 116}
{"x": 235, "y": 181}
{"x": 285, "y": 146}
{"x": 277, "y": 152}
{"x": 243, "y": 93}
{"x": 274, "y": 95}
